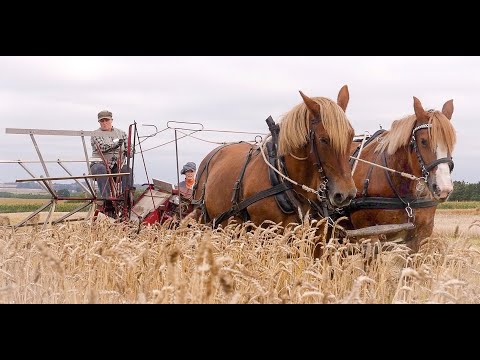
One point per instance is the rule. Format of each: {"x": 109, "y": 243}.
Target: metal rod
{"x": 40, "y": 157}
{"x": 145, "y": 167}
{"x": 74, "y": 198}
{"x": 45, "y": 161}
{"x": 86, "y": 154}
{"x": 50, "y": 189}
{"x": 52, "y": 210}
{"x": 178, "y": 176}
{"x": 33, "y": 176}
{"x": 91, "y": 211}
{"x": 69, "y": 173}
{"x": 53, "y": 132}
{"x": 184, "y": 128}
{"x": 33, "y": 214}
{"x": 92, "y": 191}
{"x": 129, "y": 186}
{"x": 72, "y": 212}
{"x": 87, "y": 162}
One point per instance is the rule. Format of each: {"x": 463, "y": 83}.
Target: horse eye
{"x": 324, "y": 140}
{"x": 424, "y": 142}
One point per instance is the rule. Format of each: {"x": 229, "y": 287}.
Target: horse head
{"x": 432, "y": 141}
{"x": 329, "y": 136}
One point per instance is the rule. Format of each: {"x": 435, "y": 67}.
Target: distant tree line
{"x": 24, "y": 196}
{"x": 463, "y": 191}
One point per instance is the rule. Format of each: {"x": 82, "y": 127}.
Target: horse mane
{"x": 441, "y": 132}
{"x": 295, "y": 127}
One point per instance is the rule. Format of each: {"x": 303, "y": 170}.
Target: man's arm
{"x": 104, "y": 147}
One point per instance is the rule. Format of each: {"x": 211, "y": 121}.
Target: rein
{"x": 304, "y": 187}
{"x": 299, "y": 158}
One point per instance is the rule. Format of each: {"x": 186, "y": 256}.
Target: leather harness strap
{"x": 251, "y": 200}
{"x": 201, "y": 202}
{"x": 376, "y": 202}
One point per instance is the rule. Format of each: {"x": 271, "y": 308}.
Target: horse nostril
{"x": 436, "y": 189}
{"x": 338, "y": 197}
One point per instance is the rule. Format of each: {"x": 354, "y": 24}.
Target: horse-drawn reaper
{"x": 159, "y": 202}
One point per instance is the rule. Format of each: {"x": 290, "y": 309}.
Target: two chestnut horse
{"x": 313, "y": 143}
{"x": 421, "y": 145}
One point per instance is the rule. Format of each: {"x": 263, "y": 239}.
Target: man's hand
{"x": 117, "y": 143}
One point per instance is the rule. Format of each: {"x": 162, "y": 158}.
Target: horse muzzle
{"x": 341, "y": 199}
{"x": 441, "y": 194}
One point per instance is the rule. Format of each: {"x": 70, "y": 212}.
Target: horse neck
{"x": 303, "y": 171}
{"x": 401, "y": 160}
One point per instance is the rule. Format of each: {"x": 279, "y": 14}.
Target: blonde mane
{"x": 441, "y": 132}
{"x": 295, "y": 126}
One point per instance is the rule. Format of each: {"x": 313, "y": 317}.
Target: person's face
{"x": 189, "y": 175}
{"x": 105, "y": 124}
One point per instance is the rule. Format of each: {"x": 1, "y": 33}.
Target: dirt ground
{"x": 15, "y": 218}
{"x": 468, "y": 222}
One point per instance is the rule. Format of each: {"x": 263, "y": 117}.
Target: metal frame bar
{"x": 87, "y": 162}
{"x": 50, "y": 190}
{"x": 32, "y": 175}
{"x": 45, "y": 161}
{"x": 32, "y": 215}
{"x": 52, "y": 210}
{"x": 76, "y": 180}
{"x": 74, "y": 211}
{"x": 40, "y": 157}
{"x": 53, "y": 132}
{"x": 46, "y": 181}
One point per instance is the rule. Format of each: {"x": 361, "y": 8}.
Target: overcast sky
{"x": 222, "y": 93}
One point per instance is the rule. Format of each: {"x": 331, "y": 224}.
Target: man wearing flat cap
{"x": 186, "y": 186}
{"x": 112, "y": 145}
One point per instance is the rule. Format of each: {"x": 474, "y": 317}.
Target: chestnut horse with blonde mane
{"x": 313, "y": 143}
{"x": 421, "y": 145}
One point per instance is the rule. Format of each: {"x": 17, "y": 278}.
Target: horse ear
{"x": 419, "y": 111}
{"x": 343, "y": 97}
{"x": 312, "y": 106}
{"x": 447, "y": 109}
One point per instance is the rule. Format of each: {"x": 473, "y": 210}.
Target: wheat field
{"x": 107, "y": 262}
